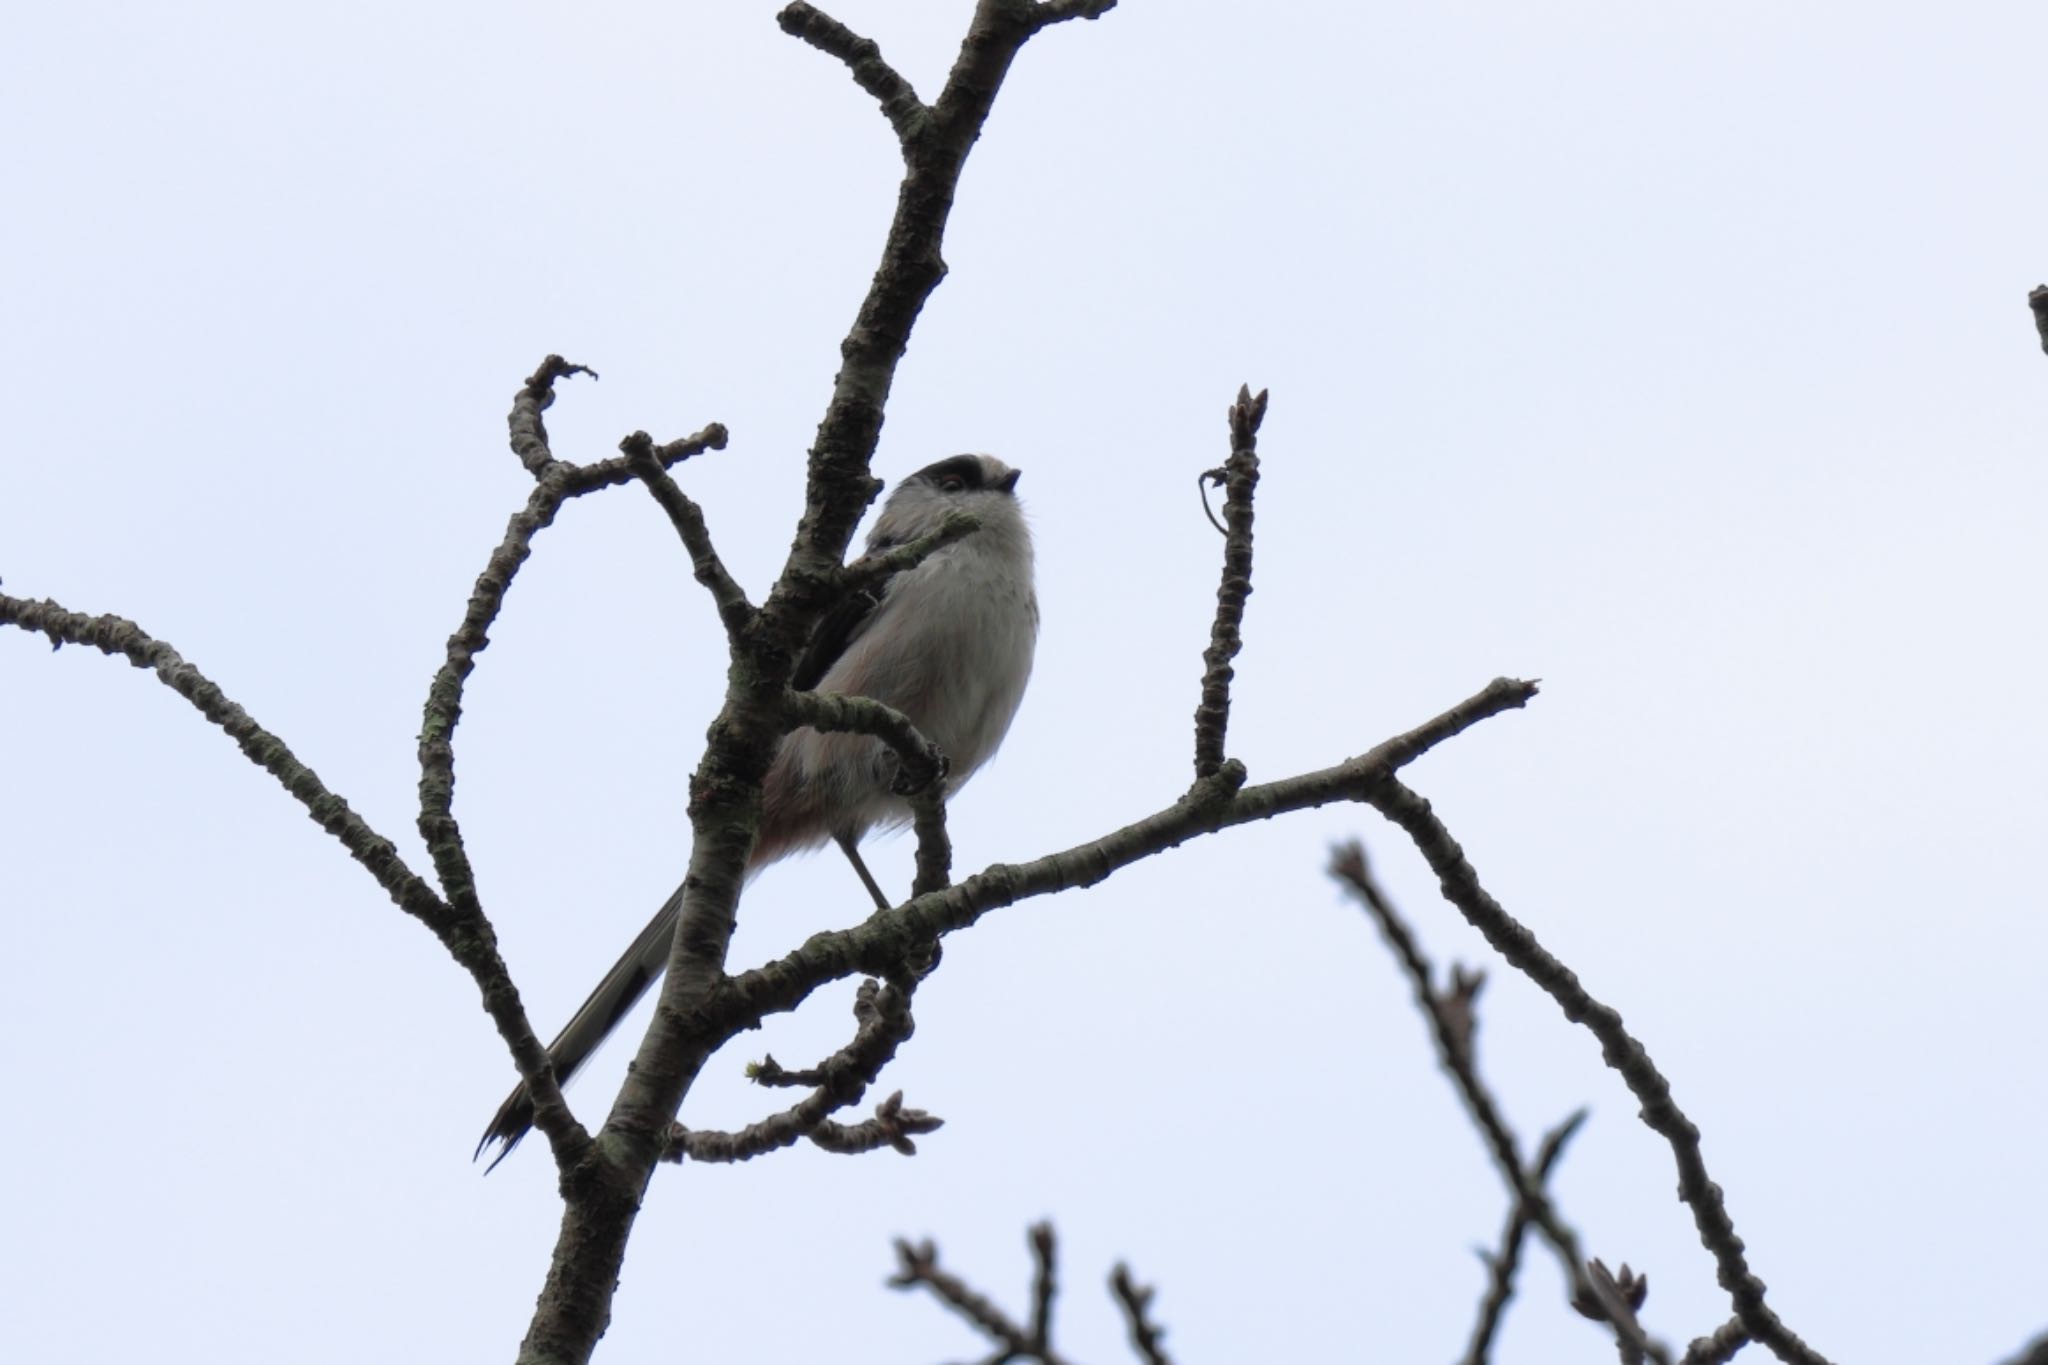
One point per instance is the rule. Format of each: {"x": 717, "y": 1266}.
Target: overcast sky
{"x": 1675, "y": 355}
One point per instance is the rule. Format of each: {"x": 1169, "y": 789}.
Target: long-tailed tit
{"x": 947, "y": 643}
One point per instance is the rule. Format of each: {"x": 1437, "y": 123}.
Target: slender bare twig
{"x": 1461, "y": 886}
{"x": 1136, "y": 1301}
{"x": 919, "y": 1265}
{"x": 871, "y": 571}
{"x": 1720, "y": 1346}
{"x": 884, "y": 1023}
{"x": 1044, "y": 1285}
{"x": 881, "y": 942}
{"x": 1451, "y": 1025}
{"x": 1615, "y": 1298}
{"x": 466, "y": 936}
{"x": 528, "y": 433}
{"x": 892, "y": 1126}
{"x": 1504, "y": 1263}
{"x": 863, "y": 57}
{"x": 1241, "y": 477}
{"x": 734, "y": 610}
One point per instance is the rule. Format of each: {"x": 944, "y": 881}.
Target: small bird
{"x": 948, "y": 644}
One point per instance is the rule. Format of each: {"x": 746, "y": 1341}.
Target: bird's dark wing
{"x": 840, "y": 627}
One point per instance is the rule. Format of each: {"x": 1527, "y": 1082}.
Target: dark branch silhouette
{"x": 918, "y": 1267}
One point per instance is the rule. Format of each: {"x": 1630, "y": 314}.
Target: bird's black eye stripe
{"x": 965, "y": 468}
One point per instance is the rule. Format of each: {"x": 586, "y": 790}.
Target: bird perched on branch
{"x": 947, "y": 643}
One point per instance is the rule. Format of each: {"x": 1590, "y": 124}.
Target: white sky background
{"x": 1675, "y": 355}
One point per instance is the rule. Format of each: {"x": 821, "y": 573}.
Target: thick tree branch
{"x": 922, "y": 763}
{"x": 602, "y": 1195}
{"x": 1462, "y": 888}
{"x": 871, "y": 571}
{"x": 1241, "y": 477}
{"x": 2037, "y": 299}
{"x": 465, "y": 934}
{"x": 934, "y": 848}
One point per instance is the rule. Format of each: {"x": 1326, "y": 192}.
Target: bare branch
{"x": 934, "y": 848}
{"x": 919, "y": 1265}
{"x": 1044, "y": 1284}
{"x": 1450, "y": 1019}
{"x": 905, "y": 111}
{"x": 734, "y": 610}
{"x": 1136, "y": 1301}
{"x": 884, "y": 1023}
{"x": 1615, "y": 1299}
{"x": 886, "y": 938}
{"x": 1241, "y": 475}
{"x": 1059, "y": 11}
{"x": 892, "y": 1126}
{"x": 1731, "y": 1336}
{"x": 923, "y": 763}
{"x": 2037, "y": 299}
{"x": 871, "y": 571}
{"x": 529, "y": 433}
{"x": 1503, "y": 1264}
{"x": 578, "y": 479}
{"x": 464, "y": 933}
{"x": 1462, "y": 888}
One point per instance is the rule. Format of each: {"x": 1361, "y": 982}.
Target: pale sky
{"x": 1675, "y": 355}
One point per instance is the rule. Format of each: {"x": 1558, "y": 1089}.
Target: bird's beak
{"x": 1010, "y": 484}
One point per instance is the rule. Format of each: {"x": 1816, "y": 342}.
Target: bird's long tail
{"x": 617, "y": 993}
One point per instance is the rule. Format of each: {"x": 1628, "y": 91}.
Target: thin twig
{"x": 1136, "y": 1301}
{"x": 1504, "y": 1263}
{"x": 1461, "y": 886}
{"x": 529, "y": 434}
{"x": 1720, "y": 1346}
{"x": 1241, "y": 479}
{"x": 884, "y": 1023}
{"x": 1044, "y": 1284}
{"x": 1450, "y": 1020}
{"x": 880, "y": 943}
{"x": 734, "y": 610}
{"x": 466, "y": 936}
{"x": 919, "y": 1265}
